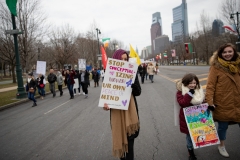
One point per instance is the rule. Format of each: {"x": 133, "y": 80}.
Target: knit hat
{"x": 118, "y": 54}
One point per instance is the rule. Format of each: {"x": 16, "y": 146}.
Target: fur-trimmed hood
{"x": 179, "y": 85}
{"x": 213, "y": 61}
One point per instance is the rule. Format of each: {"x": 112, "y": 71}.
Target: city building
{"x": 161, "y": 44}
{"x": 180, "y": 22}
{"x": 156, "y": 28}
{"x": 217, "y": 28}
{"x": 146, "y": 51}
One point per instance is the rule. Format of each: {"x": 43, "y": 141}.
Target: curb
{"x": 22, "y": 101}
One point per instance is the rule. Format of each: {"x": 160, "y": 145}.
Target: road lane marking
{"x": 204, "y": 86}
{"x": 203, "y": 79}
{"x": 56, "y": 107}
{"x": 172, "y": 80}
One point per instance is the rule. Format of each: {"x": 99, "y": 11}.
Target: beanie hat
{"x": 118, "y": 54}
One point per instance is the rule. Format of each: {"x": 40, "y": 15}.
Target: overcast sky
{"x": 127, "y": 20}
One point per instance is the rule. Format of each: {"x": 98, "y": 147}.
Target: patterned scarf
{"x": 231, "y": 65}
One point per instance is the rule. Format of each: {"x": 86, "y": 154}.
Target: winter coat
{"x": 223, "y": 91}
{"x": 96, "y": 76}
{"x": 40, "y": 80}
{"x": 142, "y": 70}
{"x": 86, "y": 77}
{"x": 185, "y": 99}
{"x": 31, "y": 84}
{"x": 150, "y": 70}
{"x": 59, "y": 78}
{"x": 52, "y": 78}
{"x": 71, "y": 77}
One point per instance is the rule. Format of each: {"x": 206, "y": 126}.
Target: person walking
{"x": 142, "y": 71}
{"x": 77, "y": 76}
{"x": 60, "y": 82}
{"x": 95, "y": 77}
{"x": 189, "y": 93}
{"x": 69, "y": 81}
{"x": 223, "y": 90}
{"x": 51, "y": 80}
{"x": 125, "y": 123}
{"x": 41, "y": 85}
{"x": 84, "y": 78}
{"x": 150, "y": 71}
{"x": 31, "y": 88}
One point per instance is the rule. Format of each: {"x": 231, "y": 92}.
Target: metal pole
{"x": 98, "y": 47}
{"x": 21, "y": 90}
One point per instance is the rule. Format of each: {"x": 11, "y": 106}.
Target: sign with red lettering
{"x": 116, "y": 87}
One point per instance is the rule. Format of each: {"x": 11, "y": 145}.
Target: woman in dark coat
{"x": 84, "y": 79}
{"x": 142, "y": 69}
{"x": 69, "y": 81}
{"x": 31, "y": 88}
{"x": 41, "y": 85}
{"x": 124, "y": 133}
{"x": 96, "y": 77}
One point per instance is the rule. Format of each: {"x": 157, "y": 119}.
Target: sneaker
{"x": 34, "y": 104}
{"x": 74, "y": 94}
{"x": 223, "y": 151}
{"x": 83, "y": 93}
{"x": 79, "y": 93}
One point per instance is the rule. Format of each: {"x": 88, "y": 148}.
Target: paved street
{"x": 59, "y": 128}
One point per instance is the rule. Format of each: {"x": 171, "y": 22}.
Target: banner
{"x": 173, "y": 51}
{"x": 104, "y": 58}
{"x": 201, "y": 126}
{"x": 41, "y": 67}
{"x": 81, "y": 64}
{"x": 116, "y": 87}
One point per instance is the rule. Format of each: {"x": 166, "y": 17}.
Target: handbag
{"x": 41, "y": 85}
{"x": 31, "y": 90}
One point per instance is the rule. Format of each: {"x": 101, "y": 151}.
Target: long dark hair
{"x": 222, "y": 47}
{"x": 189, "y": 78}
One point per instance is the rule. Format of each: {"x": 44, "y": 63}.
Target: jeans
{"x": 41, "y": 91}
{"x": 189, "y": 142}
{"x": 70, "y": 88}
{"x": 222, "y": 130}
{"x": 146, "y": 75}
{"x": 151, "y": 77}
{"x": 31, "y": 96}
{"x": 130, "y": 154}
{"x": 52, "y": 88}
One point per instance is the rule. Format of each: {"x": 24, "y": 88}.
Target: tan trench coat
{"x": 223, "y": 91}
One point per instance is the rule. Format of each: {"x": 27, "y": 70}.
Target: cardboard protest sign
{"x": 82, "y": 64}
{"x": 76, "y": 84}
{"x": 116, "y": 87}
{"x": 201, "y": 126}
{"x": 41, "y": 67}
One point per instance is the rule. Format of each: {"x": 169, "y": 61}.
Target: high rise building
{"x": 161, "y": 44}
{"x": 156, "y": 28}
{"x": 180, "y": 22}
{"x": 217, "y": 27}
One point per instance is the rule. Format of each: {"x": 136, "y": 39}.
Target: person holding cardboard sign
{"x": 125, "y": 123}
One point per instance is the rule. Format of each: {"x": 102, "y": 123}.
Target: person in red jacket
{"x": 69, "y": 81}
{"x": 189, "y": 93}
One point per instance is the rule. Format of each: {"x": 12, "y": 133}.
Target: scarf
{"x": 124, "y": 123}
{"x": 231, "y": 65}
{"x": 198, "y": 96}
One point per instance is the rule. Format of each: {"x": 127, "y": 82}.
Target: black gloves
{"x": 211, "y": 108}
{"x": 192, "y": 91}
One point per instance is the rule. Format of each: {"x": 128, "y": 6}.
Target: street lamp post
{"x": 237, "y": 28}
{"x": 99, "y": 32}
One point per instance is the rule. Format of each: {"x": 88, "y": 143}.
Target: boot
{"x": 192, "y": 156}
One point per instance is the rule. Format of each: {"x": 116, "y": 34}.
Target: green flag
{"x": 12, "y": 5}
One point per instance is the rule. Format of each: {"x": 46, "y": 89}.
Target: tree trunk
{"x": 4, "y": 69}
